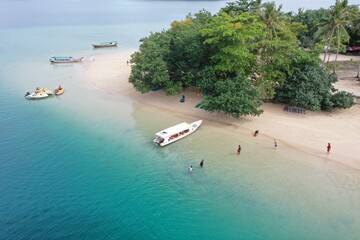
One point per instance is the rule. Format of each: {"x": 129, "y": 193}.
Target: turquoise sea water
{"x": 83, "y": 166}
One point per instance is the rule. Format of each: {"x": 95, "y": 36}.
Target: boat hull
{"x": 59, "y": 91}
{"x": 34, "y": 96}
{"x": 104, "y": 45}
{"x": 65, "y": 60}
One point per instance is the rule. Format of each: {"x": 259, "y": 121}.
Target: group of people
{"x": 201, "y": 165}
{"x": 276, "y": 144}
{"x": 239, "y": 150}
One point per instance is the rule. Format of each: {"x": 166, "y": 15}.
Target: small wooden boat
{"x": 32, "y": 96}
{"x": 65, "y": 59}
{"x": 44, "y": 90}
{"x": 175, "y": 133}
{"x": 59, "y": 90}
{"x": 105, "y": 44}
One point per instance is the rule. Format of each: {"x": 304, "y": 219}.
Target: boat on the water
{"x": 59, "y": 90}
{"x": 174, "y": 133}
{"x": 64, "y": 59}
{"x": 105, "y": 44}
{"x": 32, "y": 96}
{"x": 44, "y": 90}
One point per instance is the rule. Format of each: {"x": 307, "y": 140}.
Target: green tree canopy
{"x": 246, "y": 53}
{"x": 233, "y": 41}
{"x": 149, "y": 67}
{"x": 241, "y": 6}
{"x": 188, "y": 55}
{"x": 234, "y": 96}
{"x": 308, "y": 85}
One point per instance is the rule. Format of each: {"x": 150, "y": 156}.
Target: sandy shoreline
{"x": 308, "y": 132}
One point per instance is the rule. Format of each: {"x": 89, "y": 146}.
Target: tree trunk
{"x": 328, "y": 46}
{"x": 358, "y": 75}
{"x": 337, "y": 49}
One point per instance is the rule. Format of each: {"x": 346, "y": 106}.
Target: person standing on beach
{"x": 127, "y": 62}
{"x": 328, "y": 148}
{"x": 190, "y": 169}
{"x": 275, "y": 143}
{"x": 256, "y": 133}
{"x": 202, "y": 163}
{"x": 239, "y": 150}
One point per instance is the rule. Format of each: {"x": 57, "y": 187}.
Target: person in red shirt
{"x": 328, "y": 147}
{"x": 239, "y": 150}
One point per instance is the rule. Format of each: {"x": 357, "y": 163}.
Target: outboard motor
{"x": 27, "y": 94}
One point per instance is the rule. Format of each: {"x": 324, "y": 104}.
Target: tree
{"x": 233, "y": 96}
{"x": 354, "y": 30}
{"x": 188, "y": 55}
{"x": 274, "y": 19}
{"x": 340, "y": 16}
{"x": 241, "y": 6}
{"x": 309, "y": 89}
{"x": 149, "y": 67}
{"x": 273, "y": 65}
{"x": 171, "y": 59}
{"x": 275, "y": 49}
{"x": 233, "y": 41}
{"x": 311, "y": 19}
{"x": 309, "y": 85}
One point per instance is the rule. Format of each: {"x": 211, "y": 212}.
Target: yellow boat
{"x": 59, "y": 90}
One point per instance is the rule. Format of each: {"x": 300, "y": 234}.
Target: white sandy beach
{"x": 308, "y": 132}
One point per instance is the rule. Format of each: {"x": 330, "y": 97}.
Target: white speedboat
{"x": 177, "y": 132}
{"x": 31, "y": 96}
{"x": 105, "y": 44}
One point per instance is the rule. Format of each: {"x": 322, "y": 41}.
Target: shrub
{"x": 343, "y": 99}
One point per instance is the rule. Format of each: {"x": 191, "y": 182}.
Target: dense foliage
{"x": 249, "y": 52}
{"x": 235, "y": 96}
{"x": 308, "y": 87}
{"x": 342, "y": 99}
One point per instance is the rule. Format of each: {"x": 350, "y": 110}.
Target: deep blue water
{"x": 82, "y": 165}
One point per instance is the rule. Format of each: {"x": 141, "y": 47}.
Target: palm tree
{"x": 343, "y": 17}
{"x": 356, "y": 29}
{"x": 274, "y": 19}
{"x": 340, "y": 16}
{"x": 326, "y": 28}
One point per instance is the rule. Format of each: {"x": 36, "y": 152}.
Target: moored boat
{"x": 44, "y": 90}
{"x": 64, "y": 59}
{"x": 175, "y": 133}
{"x": 32, "y": 96}
{"x": 59, "y": 90}
{"x": 105, "y": 44}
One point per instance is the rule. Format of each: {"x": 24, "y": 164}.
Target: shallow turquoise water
{"x": 83, "y": 166}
